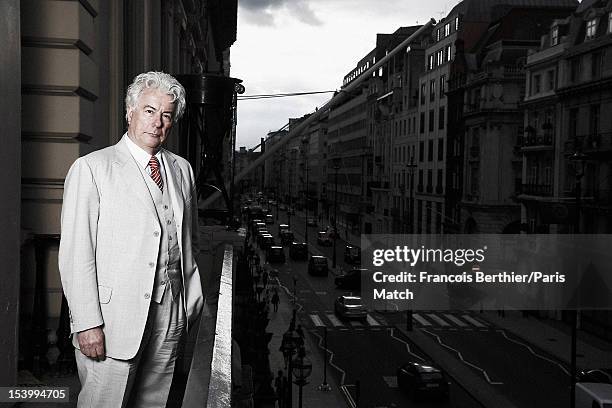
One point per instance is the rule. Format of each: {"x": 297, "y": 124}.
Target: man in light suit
{"x": 127, "y": 254}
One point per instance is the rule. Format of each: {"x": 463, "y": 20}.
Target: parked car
{"x": 595, "y": 375}
{"x": 281, "y": 228}
{"x": 352, "y": 255}
{"x": 324, "y": 239}
{"x": 422, "y": 378}
{"x": 317, "y": 265}
{"x": 275, "y": 254}
{"x": 312, "y": 221}
{"x": 350, "y": 279}
{"x": 269, "y": 219}
{"x": 286, "y": 237}
{"x": 298, "y": 250}
{"x": 350, "y": 307}
{"x": 267, "y": 241}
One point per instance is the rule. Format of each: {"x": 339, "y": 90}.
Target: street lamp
{"x": 289, "y": 345}
{"x": 302, "y": 368}
{"x": 411, "y": 169}
{"x": 336, "y": 162}
{"x": 579, "y": 159}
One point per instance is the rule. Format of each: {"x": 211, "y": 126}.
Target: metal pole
{"x": 301, "y": 386}
{"x": 335, "y": 217}
{"x": 289, "y": 383}
{"x": 574, "y": 313}
{"x": 306, "y": 202}
{"x": 324, "y": 386}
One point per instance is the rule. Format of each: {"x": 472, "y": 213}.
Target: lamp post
{"x": 579, "y": 159}
{"x": 302, "y": 368}
{"x": 325, "y": 386}
{"x": 288, "y": 347}
{"x": 411, "y": 168}
{"x": 305, "y": 151}
{"x": 336, "y": 168}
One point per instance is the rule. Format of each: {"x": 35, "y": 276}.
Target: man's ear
{"x": 129, "y": 115}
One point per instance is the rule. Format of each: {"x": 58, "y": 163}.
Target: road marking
{"x": 316, "y": 320}
{"x": 484, "y": 373}
{"x": 391, "y": 381}
{"x": 438, "y": 319}
{"x": 331, "y": 358}
{"x": 453, "y": 319}
{"x": 473, "y": 321}
{"x": 392, "y": 333}
{"x": 371, "y": 321}
{"x": 420, "y": 319}
{"x": 534, "y": 353}
{"x": 334, "y": 320}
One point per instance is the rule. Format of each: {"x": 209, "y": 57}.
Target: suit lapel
{"x": 175, "y": 182}
{"x": 132, "y": 175}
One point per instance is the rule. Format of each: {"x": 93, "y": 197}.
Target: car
{"x": 286, "y": 237}
{"x": 312, "y": 221}
{"x": 260, "y": 234}
{"x": 350, "y": 279}
{"x": 419, "y": 378}
{"x": 275, "y": 254}
{"x": 281, "y": 228}
{"x": 267, "y": 241}
{"x": 350, "y": 307}
{"x": 323, "y": 239}
{"x": 352, "y": 255}
{"x": 317, "y": 265}
{"x": 269, "y": 219}
{"x": 298, "y": 250}
{"x": 595, "y": 375}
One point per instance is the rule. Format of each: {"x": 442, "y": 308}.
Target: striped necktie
{"x": 155, "y": 173}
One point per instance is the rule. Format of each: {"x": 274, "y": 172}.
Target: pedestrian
{"x": 300, "y": 333}
{"x": 127, "y": 257}
{"x": 275, "y": 300}
{"x": 279, "y": 385}
{"x": 264, "y": 278}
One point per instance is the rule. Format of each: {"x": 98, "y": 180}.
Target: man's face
{"x": 150, "y": 121}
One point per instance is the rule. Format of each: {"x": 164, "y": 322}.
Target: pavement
{"x": 278, "y": 325}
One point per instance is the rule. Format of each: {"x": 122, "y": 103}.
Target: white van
{"x": 593, "y": 395}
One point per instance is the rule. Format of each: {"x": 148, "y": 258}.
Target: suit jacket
{"x": 110, "y": 239}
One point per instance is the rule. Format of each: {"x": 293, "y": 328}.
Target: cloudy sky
{"x": 286, "y": 46}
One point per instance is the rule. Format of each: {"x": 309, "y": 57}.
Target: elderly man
{"x": 126, "y": 257}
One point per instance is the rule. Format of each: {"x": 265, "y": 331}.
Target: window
{"x": 422, "y": 124}
{"x": 440, "y": 57}
{"x": 457, "y": 23}
{"x": 440, "y": 149}
{"x": 610, "y": 22}
{"x": 438, "y": 34}
{"x": 430, "y": 148}
{"x": 448, "y": 53}
{"x": 575, "y": 69}
{"x": 573, "y": 122}
{"x": 591, "y": 28}
{"x": 421, "y": 155}
{"x": 423, "y": 93}
{"x": 550, "y": 77}
{"x": 594, "y": 120}
{"x": 596, "y": 65}
{"x": 442, "y": 85}
{"x": 554, "y": 35}
{"x": 431, "y": 62}
{"x": 439, "y": 179}
{"x": 421, "y": 179}
{"x": 536, "y": 85}
{"x": 447, "y": 30}
{"x": 441, "y": 118}
{"x": 432, "y": 90}
{"x": 431, "y": 120}
{"x": 429, "y": 187}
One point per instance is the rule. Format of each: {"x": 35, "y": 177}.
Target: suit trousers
{"x": 143, "y": 381}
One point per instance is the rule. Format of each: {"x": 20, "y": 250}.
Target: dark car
{"x": 275, "y": 254}
{"x": 267, "y": 241}
{"x": 269, "y": 219}
{"x": 286, "y": 237}
{"x": 317, "y": 265}
{"x": 595, "y": 375}
{"x": 323, "y": 238}
{"x": 298, "y": 250}
{"x": 281, "y": 228}
{"x": 422, "y": 378}
{"x": 352, "y": 255}
{"x": 350, "y": 279}
{"x": 350, "y": 307}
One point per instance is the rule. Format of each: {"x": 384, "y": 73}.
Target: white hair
{"x": 162, "y": 81}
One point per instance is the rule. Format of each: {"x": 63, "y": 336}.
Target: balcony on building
{"x": 594, "y": 144}
{"x": 537, "y": 139}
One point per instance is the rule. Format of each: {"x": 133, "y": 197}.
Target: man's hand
{"x": 91, "y": 342}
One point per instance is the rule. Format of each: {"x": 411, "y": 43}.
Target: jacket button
{"x": 156, "y": 234}
{"x": 147, "y": 296}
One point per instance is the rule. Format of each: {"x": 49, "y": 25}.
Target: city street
{"x": 369, "y": 352}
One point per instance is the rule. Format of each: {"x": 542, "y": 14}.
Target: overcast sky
{"x": 288, "y": 46}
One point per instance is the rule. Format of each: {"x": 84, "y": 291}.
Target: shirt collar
{"x": 141, "y": 157}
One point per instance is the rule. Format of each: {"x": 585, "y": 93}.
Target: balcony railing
{"x": 536, "y": 141}
{"x": 591, "y": 143}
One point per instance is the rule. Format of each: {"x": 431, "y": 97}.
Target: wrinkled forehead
{"x": 156, "y": 98}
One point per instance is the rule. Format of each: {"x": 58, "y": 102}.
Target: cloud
{"x": 264, "y": 12}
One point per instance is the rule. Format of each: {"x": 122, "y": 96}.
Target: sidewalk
{"x": 312, "y": 397}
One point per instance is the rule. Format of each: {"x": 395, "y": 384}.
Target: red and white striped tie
{"x": 155, "y": 174}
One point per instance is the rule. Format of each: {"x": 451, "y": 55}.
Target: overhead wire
{"x": 280, "y": 95}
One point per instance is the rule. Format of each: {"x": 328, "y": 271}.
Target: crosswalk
{"x": 422, "y": 319}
